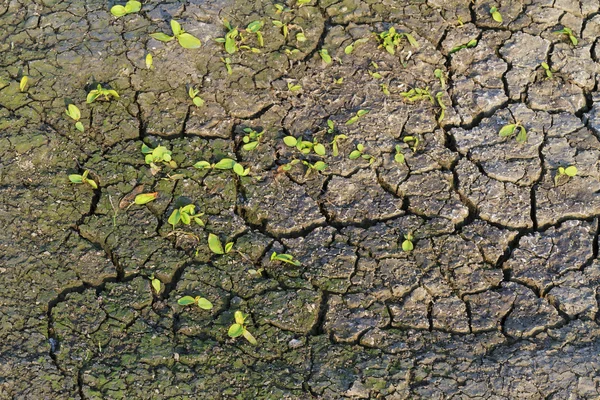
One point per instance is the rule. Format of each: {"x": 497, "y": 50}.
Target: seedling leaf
{"x": 188, "y": 41}
{"x": 290, "y": 141}
{"x": 76, "y": 178}
{"x": 145, "y": 198}
{"x": 215, "y": 244}
{"x": 407, "y": 246}
{"x": 204, "y": 303}
{"x": 571, "y": 171}
{"x": 226, "y": 163}
{"x": 79, "y": 126}
{"x": 118, "y": 11}
{"x": 163, "y": 37}
{"x": 176, "y": 28}
{"x": 202, "y": 165}
{"x": 156, "y": 285}
{"x": 73, "y": 112}
{"x": 249, "y": 337}
{"x": 133, "y": 6}
{"x": 235, "y": 330}
{"x": 186, "y": 301}
{"x": 228, "y": 247}
{"x": 507, "y": 130}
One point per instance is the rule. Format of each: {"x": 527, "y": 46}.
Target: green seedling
{"x": 399, "y": 156}
{"x": 290, "y": 51}
{"x": 417, "y": 94}
{"x": 215, "y": 245}
{"x": 569, "y": 33}
{"x": 564, "y": 173}
{"x": 235, "y": 39}
{"x": 156, "y": 156}
{"x": 23, "y": 83}
{"x": 149, "y": 61}
{"x": 300, "y": 37}
{"x": 496, "y": 16}
{"x": 334, "y": 144}
{"x": 385, "y": 89}
{"x": 251, "y": 139}
{"x": 510, "y": 129}
{"x": 472, "y": 43}
{"x": 548, "y": 70}
{"x": 280, "y": 8}
{"x": 350, "y": 48}
{"x": 301, "y": 3}
{"x": 239, "y": 327}
{"x": 317, "y": 166}
{"x": 286, "y": 258}
{"x": 325, "y": 56}
{"x": 288, "y": 166}
{"x": 285, "y": 28}
{"x": 73, "y": 112}
{"x": 227, "y": 62}
{"x": 293, "y": 88}
{"x": 359, "y": 153}
{"x": 75, "y": 178}
{"x": 131, "y": 6}
{"x": 438, "y": 73}
{"x": 186, "y": 40}
{"x": 199, "y": 301}
{"x": 197, "y": 100}
{"x": 145, "y": 198}
{"x": 100, "y": 91}
{"x": 255, "y": 27}
{"x": 224, "y": 164}
{"x": 338, "y": 81}
{"x": 390, "y": 40}
{"x": 156, "y": 284}
{"x": 412, "y": 139}
{"x": 357, "y": 116}
{"x": 305, "y": 146}
{"x": 375, "y": 74}
{"x": 185, "y": 215}
{"x": 407, "y": 244}
{"x": 438, "y": 98}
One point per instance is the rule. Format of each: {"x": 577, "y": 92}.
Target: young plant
{"x": 293, "y": 88}
{"x": 438, "y": 73}
{"x": 438, "y": 98}
{"x": 399, "y": 156}
{"x": 305, "y": 146}
{"x": 75, "y": 178}
{"x": 234, "y": 39}
{"x": 286, "y": 258}
{"x": 472, "y": 43}
{"x": 186, "y": 40}
{"x": 390, "y": 40}
{"x": 280, "y": 8}
{"x": 215, "y": 245}
{"x": 548, "y": 70}
{"x": 357, "y": 116}
{"x": 325, "y": 56}
{"x": 359, "y": 153}
{"x": 131, "y": 6}
{"x": 412, "y": 139}
{"x": 385, "y": 89}
{"x": 569, "y": 33}
{"x": 23, "y": 83}
{"x": 407, "y": 244}
{"x": 100, "y": 91}
{"x": 255, "y": 27}
{"x": 156, "y": 283}
{"x": 73, "y": 112}
{"x": 224, "y": 164}
{"x": 251, "y": 139}
{"x": 149, "y": 61}
{"x": 197, "y": 100}
{"x": 227, "y": 62}
{"x": 317, "y": 166}
{"x": 153, "y": 157}
{"x": 334, "y": 144}
{"x": 199, "y": 301}
{"x": 564, "y": 173}
{"x": 510, "y": 129}
{"x": 350, "y": 48}
{"x": 417, "y": 94}
{"x": 239, "y": 328}
{"x": 145, "y": 198}
{"x": 496, "y": 16}
{"x": 185, "y": 215}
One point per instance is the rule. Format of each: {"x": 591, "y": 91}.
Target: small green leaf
{"x": 133, "y": 6}
{"x": 325, "y": 56}
{"x": 145, "y": 198}
{"x": 354, "y": 155}
{"x": 118, "y": 11}
{"x": 93, "y": 95}
{"x": 204, "y": 303}
{"x": 507, "y": 130}
{"x": 573, "y": 40}
{"x": 76, "y": 178}
{"x": 320, "y": 166}
{"x": 290, "y": 141}
{"x": 360, "y": 113}
{"x": 522, "y": 135}
{"x": 73, "y": 112}
{"x": 202, "y": 165}
{"x": 235, "y": 330}
{"x": 226, "y": 163}
{"x": 156, "y": 285}
{"x": 230, "y": 46}
{"x": 239, "y": 317}
{"x": 174, "y": 218}
{"x": 149, "y": 61}
{"x": 399, "y": 158}
{"x": 254, "y": 26}
{"x": 186, "y": 301}
{"x": 349, "y": 49}
{"x": 146, "y": 149}
{"x": 497, "y": 16}
{"x": 228, "y": 247}
{"x": 188, "y": 41}
{"x": 571, "y": 171}
{"x": 163, "y": 37}
{"x": 319, "y": 149}
{"x": 79, "y": 126}
{"x": 185, "y": 218}
{"x": 249, "y": 337}
{"x": 176, "y": 28}
{"x": 352, "y": 120}
{"x": 407, "y": 246}
{"x": 198, "y": 102}
{"x": 238, "y": 169}
{"x": 215, "y": 244}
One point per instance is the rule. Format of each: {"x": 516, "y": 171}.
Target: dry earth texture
{"x": 497, "y": 300}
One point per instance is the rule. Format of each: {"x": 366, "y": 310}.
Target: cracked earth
{"x": 498, "y": 300}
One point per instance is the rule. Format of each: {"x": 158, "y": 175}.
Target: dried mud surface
{"x": 498, "y": 299}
